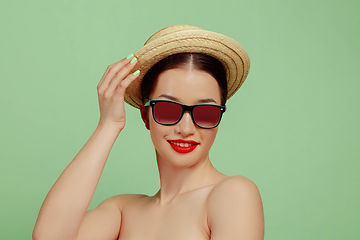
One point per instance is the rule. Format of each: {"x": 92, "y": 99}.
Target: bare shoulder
{"x": 234, "y": 185}
{"x": 115, "y": 204}
{"x": 121, "y": 200}
{"x": 232, "y": 191}
{"x": 235, "y": 210}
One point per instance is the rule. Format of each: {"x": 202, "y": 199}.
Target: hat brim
{"x": 229, "y": 52}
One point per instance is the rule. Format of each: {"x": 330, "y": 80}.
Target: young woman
{"x": 180, "y": 81}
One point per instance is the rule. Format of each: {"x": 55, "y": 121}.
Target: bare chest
{"x": 184, "y": 218}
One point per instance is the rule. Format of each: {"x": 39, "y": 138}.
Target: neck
{"x": 178, "y": 179}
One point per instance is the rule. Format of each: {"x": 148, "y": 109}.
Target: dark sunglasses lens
{"x": 167, "y": 112}
{"x": 206, "y": 116}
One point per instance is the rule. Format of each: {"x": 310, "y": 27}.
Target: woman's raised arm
{"x": 64, "y": 207}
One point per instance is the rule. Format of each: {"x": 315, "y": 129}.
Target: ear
{"x": 144, "y": 116}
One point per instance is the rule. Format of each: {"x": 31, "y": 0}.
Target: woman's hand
{"x": 111, "y": 90}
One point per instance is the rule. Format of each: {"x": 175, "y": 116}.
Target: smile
{"x": 183, "y": 146}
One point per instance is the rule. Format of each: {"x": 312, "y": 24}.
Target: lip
{"x": 179, "y": 149}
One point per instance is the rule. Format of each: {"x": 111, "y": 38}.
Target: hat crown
{"x": 189, "y": 39}
{"x": 170, "y": 30}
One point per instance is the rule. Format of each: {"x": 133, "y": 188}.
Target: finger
{"x": 107, "y": 71}
{"x": 103, "y": 77}
{"x": 120, "y": 90}
{"x": 120, "y": 76}
{"x": 111, "y": 72}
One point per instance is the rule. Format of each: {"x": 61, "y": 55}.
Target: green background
{"x": 292, "y": 128}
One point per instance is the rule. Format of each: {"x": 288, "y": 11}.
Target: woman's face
{"x": 189, "y": 87}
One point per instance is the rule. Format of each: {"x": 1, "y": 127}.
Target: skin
{"x": 195, "y": 200}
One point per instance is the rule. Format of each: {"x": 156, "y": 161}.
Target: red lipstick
{"x": 183, "y": 146}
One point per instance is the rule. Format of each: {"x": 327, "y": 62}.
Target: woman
{"x": 180, "y": 81}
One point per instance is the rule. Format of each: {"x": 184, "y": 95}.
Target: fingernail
{"x": 130, "y": 56}
{"x": 133, "y": 60}
{"x": 136, "y": 72}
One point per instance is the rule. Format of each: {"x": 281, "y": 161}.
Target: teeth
{"x": 182, "y": 144}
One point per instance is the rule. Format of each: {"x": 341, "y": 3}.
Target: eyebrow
{"x": 169, "y": 97}
{"x": 206, "y": 100}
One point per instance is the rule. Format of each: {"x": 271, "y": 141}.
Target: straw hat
{"x": 190, "y": 39}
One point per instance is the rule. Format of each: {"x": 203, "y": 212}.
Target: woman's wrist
{"x": 109, "y": 128}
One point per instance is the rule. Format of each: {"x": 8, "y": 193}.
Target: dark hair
{"x": 199, "y": 61}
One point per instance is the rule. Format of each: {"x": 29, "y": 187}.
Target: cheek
{"x": 211, "y": 134}
{"x": 208, "y": 137}
{"x": 157, "y": 131}
{"x": 152, "y": 124}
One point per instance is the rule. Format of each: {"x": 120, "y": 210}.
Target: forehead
{"x": 188, "y": 85}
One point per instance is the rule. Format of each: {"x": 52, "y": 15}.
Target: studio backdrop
{"x": 292, "y": 128}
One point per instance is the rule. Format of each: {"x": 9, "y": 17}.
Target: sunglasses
{"x": 169, "y": 113}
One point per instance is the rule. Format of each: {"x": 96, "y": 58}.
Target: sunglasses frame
{"x": 185, "y": 108}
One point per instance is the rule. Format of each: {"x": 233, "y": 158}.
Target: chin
{"x": 181, "y": 160}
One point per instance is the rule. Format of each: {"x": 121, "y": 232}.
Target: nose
{"x": 185, "y": 126}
